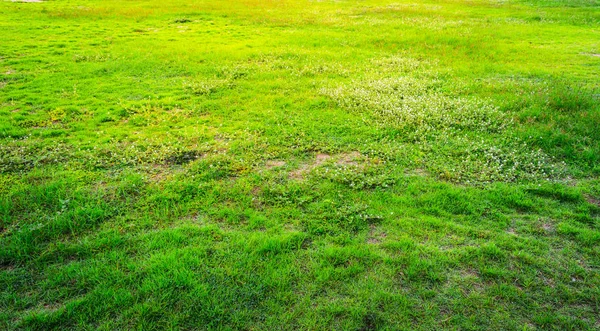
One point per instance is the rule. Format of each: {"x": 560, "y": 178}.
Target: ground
{"x": 300, "y": 165}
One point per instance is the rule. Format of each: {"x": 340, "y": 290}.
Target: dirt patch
{"x": 48, "y": 308}
{"x": 158, "y": 173}
{"x": 7, "y": 267}
{"x": 183, "y": 157}
{"x": 548, "y": 228}
{"x": 468, "y": 274}
{"x": 322, "y": 158}
{"x": 274, "y": 164}
{"x": 298, "y": 173}
{"x": 306, "y": 243}
{"x": 348, "y": 159}
{"x": 256, "y": 200}
{"x": 222, "y": 138}
{"x": 290, "y": 227}
{"x": 197, "y": 219}
{"x": 593, "y": 200}
{"x": 375, "y": 237}
{"x": 548, "y": 281}
{"x": 351, "y": 159}
{"x": 307, "y": 167}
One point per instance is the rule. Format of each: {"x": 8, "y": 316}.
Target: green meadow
{"x": 300, "y": 165}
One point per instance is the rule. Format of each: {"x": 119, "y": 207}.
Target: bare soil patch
{"x": 375, "y": 237}
{"x": 350, "y": 159}
{"x": 274, "y": 164}
{"x": 593, "y": 200}
{"x": 307, "y": 167}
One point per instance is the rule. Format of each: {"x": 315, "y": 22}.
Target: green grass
{"x": 300, "y": 165}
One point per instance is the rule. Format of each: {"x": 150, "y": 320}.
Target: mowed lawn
{"x": 300, "y": 164}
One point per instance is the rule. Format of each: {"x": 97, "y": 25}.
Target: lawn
{"x": 300, "y": 164}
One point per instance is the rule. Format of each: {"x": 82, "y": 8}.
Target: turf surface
{"x": 300, "y": 165}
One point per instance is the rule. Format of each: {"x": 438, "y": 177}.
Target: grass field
{"x": 300, "y": 164}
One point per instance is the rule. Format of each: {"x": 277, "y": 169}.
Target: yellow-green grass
{"x": 300, "y": 165}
